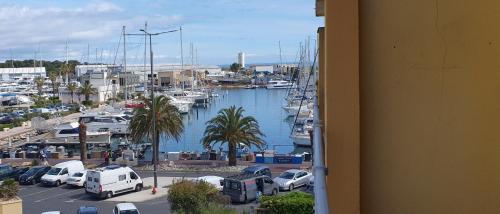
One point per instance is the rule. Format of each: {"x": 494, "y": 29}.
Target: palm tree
{"x": 53, "y": 81}
{"x": 66, "y": 71}
{"x": 231, "y": 127}
{"x": 82, "y": 137}
{"x": 72, "y": 87}
{"x": 39, "y": 81}
{"x": 167, "y": 122}
{"x": 87, "y": 89}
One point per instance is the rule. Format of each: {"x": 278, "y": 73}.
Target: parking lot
{"x": 38, "y": 198}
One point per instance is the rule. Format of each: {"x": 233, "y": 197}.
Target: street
{"x": 38, "y": 198}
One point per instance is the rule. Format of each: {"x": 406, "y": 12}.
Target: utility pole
{"x": 125, "y": 64}
{"x": 145, "y": 60}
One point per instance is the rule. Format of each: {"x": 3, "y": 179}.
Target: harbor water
{"x": 263, "y": 104}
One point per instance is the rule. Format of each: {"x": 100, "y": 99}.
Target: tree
{"x": 235, "y": 67}
{"x": 82, "y": 137}
{"x": 168, "y": 123}
{"x": 54, "y": 83}
{"x": 231, "y": 127}
{"x": 66, "y": 71}
{"x": 87, "y": 90}
{"x": 72, "y": 87}
{"x": 39, "y": 81}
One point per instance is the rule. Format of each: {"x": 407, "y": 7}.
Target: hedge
{"x": 295, "y": 202}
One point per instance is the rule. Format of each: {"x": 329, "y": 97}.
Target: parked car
{"x": 6, "y": 172}
{"x": 33, "y": 175}
{"x": 19, "y": 171}
{"x": 111, "y": 180}
{"x": 292, "y": 178}
{"x": 52, "y": 212}
{"x": 87, "y": 210}
{"x": 61, "y": 172}
{"x": 214, "y": 180}
{"x": 243, "y": 188}
{"x": 4, "y": 119}
{"x": 78, "y": 179}
{"x": 257, "y": 170}
{"x": 125, "y": 208}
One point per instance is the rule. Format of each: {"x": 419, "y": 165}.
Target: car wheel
{"x": 138, "y": 187}
{"x": 275, "y": 191}
{"x": 58, "y": 183}
{"x": 109, "y": 194}
{"x": 290, "y": 188}
{"x": 84, "y": 184}
{"x": 33, "y": 181}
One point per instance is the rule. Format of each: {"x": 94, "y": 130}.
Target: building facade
{"x": 241, "y": 59}
{"x": 28, "y": 73}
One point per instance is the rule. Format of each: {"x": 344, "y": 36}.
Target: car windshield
{"x": 78, "y": 174}
{"x": 129, "y": 212}
{"x": 32, "y": 171}
{"x": 54, "y": 171}
{"x": 287, "y": 175}
{"x": 248, "y": 171}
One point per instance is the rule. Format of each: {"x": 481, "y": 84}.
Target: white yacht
{"x": 301, "y": 136}
{"x": 183, "y": 105}
{"x": 114, "y": 123}
{"x": 69, "y": 133}
{"x": 278, "y": 84}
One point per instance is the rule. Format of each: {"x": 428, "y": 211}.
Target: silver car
{"x": 292, "y": 178}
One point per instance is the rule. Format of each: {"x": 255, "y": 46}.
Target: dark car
{"x": 19, "y": 171}
{"x": 6, "y": 119}
{"x": 257, "y": 170}
{"x": 6, "y": 172}
{"x": 33, "y": 175}
{"x": 87, "y": 210}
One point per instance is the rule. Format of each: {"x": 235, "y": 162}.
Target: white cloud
{"x": 24, "y": 29}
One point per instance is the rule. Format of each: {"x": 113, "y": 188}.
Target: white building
{"x": 241, "y": 59}
{"x": 28, "y": 73}
{"x": 264, "y": 69}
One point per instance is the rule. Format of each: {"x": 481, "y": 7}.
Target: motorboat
{"x": 101, "y": 122}
{"x": 278, "y": 84}
{"x": 69, "y": 133}
{"x": 301, "y": 136}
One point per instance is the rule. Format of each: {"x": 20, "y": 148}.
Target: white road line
{"x": 56, "y": 195}
{"x": 34, "y": 193}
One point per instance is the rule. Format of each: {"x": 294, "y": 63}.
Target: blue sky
{"x": 218, "y": 29}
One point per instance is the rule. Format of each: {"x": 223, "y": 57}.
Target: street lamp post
{"x": 153, "y": 115}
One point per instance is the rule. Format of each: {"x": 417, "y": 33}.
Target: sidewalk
{"x": 146, "y": 195}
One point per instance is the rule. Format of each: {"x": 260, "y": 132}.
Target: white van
{"x": 108, "y": 181}
{"x": 61, "y": 171}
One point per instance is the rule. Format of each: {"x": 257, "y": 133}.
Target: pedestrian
{"x": 106, "y": 158}
{"x": 43, "y": 158}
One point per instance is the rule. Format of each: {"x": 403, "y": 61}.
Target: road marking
{"x": 35, "y": 193}
{"x": 56, "y": 195}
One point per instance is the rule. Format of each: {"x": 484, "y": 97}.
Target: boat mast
{"x": 182, "y": 59}
{"x": 125, "y": 65}
{"x": 192, "y": 66}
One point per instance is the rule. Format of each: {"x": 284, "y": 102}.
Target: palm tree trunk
{"x": 71, "y": 97}
{"x": 232, "y": 153}
{"x": 83, "y": 142}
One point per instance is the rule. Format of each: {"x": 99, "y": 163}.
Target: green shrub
{"x": 8, "y": 189}
{"x": 34, "y": 162}
{"x": 87, "y": 103}
{"x": 218, "y": 209}
{"x": 191, "y": 197}
{"x": 2, "y": 126}
{"x": 295, "y": 202}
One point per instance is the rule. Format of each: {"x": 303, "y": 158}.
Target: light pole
{"x": 153, "y": 115}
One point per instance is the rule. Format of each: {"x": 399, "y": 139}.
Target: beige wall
{"x": 430, "y": 113}
{"x": 429, "y": 106}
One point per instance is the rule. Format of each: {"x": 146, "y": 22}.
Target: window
{"x": 268, "y": 180}
{"x": 122, "y": 177}
{"x": 133, "y": 176}
{"x": 115, "y": 211}
{"x": 64, "y": 171}
{"x": 69, "y": 131}
{"x": 96, "y": 180}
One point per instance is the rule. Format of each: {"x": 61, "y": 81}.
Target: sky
{"x": 218, "y": 29}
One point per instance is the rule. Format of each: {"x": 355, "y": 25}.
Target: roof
{"x": 126, "y": 206}
{"x": 84, "y": 210}
{"x": 256, "y": 167}
{"x": 294, "y": 170}
{"x": 243, "y": 177}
